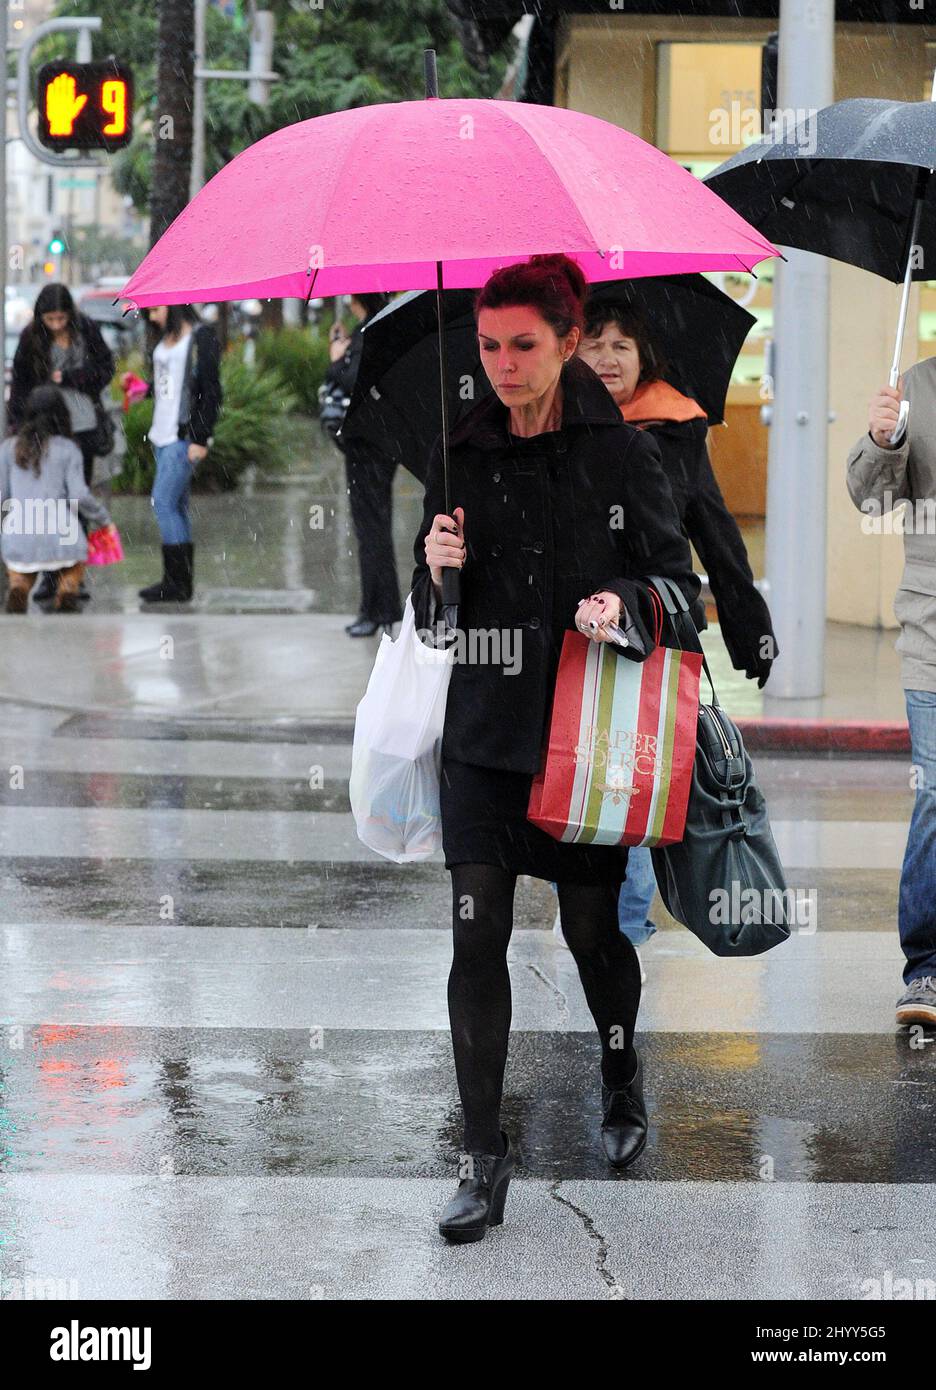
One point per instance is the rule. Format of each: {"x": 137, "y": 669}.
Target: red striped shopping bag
{"x": 622, "y": 745}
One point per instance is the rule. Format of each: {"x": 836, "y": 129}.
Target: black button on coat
{"x": 548, "y": 520}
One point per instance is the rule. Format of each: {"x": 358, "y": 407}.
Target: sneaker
{"x": 918, "y": 1002}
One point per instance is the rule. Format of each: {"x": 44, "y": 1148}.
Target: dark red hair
{"x": 554, "y": 285}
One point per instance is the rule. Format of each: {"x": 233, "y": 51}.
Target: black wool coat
{"x": 90, "y": 378}
{"x": 548, "y": 521}
{"x": 742, "y": 611}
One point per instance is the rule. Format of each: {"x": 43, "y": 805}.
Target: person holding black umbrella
{"x": 537, "y": 470}
{"x": 882, "y": 475}
{"x": 619, "y": 345}
{"x": 369, "y": 472}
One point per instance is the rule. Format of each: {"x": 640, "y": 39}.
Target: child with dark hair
{"x": 43, "y": 495}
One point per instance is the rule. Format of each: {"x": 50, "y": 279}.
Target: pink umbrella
{"x": 372, "y": 198}
{"x": 438, "y": 193}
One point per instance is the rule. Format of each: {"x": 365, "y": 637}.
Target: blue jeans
{"x": 171, "y": 489}
{"x": 916, "y": 913}
{"x": 637, "y": 892}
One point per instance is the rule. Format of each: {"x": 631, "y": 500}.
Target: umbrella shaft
{"x": 908, "y": 278}
{"x": 440, "y": 318}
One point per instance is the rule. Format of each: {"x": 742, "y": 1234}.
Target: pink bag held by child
{"x": 104, "y": 547}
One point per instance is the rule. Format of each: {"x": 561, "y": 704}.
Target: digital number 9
{"x": 114, "y": 101}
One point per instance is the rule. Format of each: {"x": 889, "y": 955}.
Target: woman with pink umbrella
{"x": 539, "y": 470}
{"x": 456, "y": 194}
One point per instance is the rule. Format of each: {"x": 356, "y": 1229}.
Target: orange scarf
{"x": 655, "y": 402}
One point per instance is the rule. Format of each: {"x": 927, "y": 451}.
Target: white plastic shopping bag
{"x": 396, "y": 756}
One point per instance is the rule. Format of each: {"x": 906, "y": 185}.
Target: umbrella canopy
{"x": 395, "y": 401}
{"x": 843, "y": 184}
{"x": 698, "y": 329}
{"x": 380, "y": 197}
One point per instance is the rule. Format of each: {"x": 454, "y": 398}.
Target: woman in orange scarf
{"x": 619, "y": 347}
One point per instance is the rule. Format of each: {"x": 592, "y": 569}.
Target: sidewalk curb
{"x": 884, "y": 738}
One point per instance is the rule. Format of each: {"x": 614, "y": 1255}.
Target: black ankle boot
{"x": 479, "y": 1201}
{"x": 624, "y": 1127}
{"x": 175, "y": 585}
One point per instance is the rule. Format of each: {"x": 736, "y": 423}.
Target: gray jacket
{"x": 878, "y": 480}
{"x": 40, "y": 522}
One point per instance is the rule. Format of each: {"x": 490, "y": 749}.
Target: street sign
{"x": 85, "y": 106}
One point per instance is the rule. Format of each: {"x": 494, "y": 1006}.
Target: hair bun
{"x": 563, "y": 264}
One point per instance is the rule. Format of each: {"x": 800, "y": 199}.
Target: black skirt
{"x": 484, "y": 822}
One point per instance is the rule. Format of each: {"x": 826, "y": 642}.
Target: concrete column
{"x": 795, "y": 557}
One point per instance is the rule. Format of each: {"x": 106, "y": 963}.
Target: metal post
{"x": 197, "y": 176}
{"x": 24, "y": 89}
{"x": 798, "y": 447}
{"x": 260, "y": 61}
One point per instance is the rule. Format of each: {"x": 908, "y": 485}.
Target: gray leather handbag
{"x": 723, "y": 880}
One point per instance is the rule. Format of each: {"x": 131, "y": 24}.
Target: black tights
{"x": 479, "y": 987}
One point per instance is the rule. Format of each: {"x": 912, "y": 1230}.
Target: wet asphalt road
{"x": 224, "y": 1065}
{"x": 253, "y": 1096}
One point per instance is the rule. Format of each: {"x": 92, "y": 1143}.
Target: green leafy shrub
{"x": 251, "y": 428}
{"x": 300, "y": 357}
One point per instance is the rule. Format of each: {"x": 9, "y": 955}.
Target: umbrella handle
{"x": 451, "y": 587}
{"x": 902, "y": 418}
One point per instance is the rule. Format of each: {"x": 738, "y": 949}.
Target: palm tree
{"x": 172, "y": 119}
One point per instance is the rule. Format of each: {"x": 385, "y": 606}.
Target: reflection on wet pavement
{"x": 225, "y": 1102}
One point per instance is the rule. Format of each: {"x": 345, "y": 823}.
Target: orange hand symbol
{"x": 63, "y": 104}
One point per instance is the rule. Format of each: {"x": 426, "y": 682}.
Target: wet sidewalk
{"x": 276, "y": 582}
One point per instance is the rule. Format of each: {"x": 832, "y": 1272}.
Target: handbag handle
{"x": 674, "y": 601}
{"x": 657, "y": 605}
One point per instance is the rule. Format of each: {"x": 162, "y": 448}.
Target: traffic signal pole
{"x": 258, "y": 74}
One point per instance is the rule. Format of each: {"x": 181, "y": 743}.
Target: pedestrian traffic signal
{"x": 85, "y": 106}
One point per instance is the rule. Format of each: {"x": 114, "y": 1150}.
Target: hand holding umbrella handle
{"x": 901, "y": 426}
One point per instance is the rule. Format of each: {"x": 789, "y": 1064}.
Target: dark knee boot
{"x": 187, "y": 568}
{"x": 174, "y": 586}
{"x": 624, "y": 1126}
{"x": 479, "y": 1201}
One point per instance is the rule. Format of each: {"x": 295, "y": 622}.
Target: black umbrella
{"x": 395, "y": 401}
{"x": 851, "y": 182}
{"x": 697, "y": 328}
